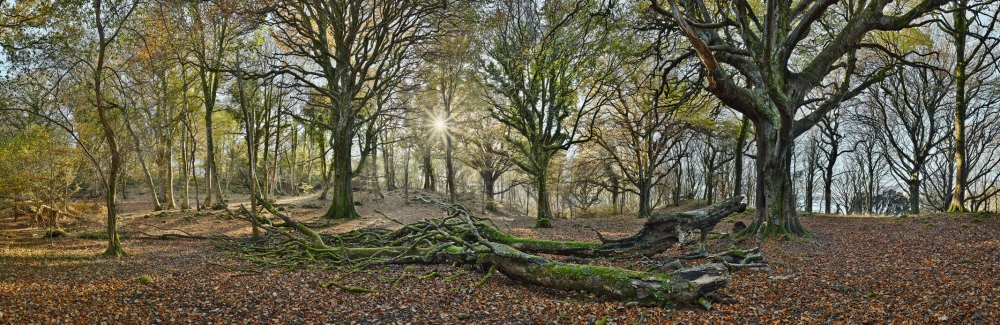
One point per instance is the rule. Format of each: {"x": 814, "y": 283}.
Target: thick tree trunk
{"x": 914, "y": 188}
{"x": 683, "y": 286}
{"x": 775, "y": 207}
{"x": 489, "y": 190}
{"x": 544, "y": 215}
{"x": 343, "y": 191}
{"x": 645, "y": 193}
{"x": 450, "y": 166}
{"x": 425, "y": 159}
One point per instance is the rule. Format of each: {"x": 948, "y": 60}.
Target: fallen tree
{"x": 464, "y": 239}
{"x": 659, "y": 233}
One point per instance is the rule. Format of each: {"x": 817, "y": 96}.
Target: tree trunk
{"x": 914, "y": 187}
{"x": 343, "y": 192}
{"x": 425, "y": 156}
{"x": 250, "y": 123}
{"x": 211, "y": 179}
{"x": 149, "y": 181}
{"x": 645, "y": 189}
{"x": 326, "y": 170}
{"x": 389, "y": 166}
{"x": 738, "y": 157}
{"x": 489, "y": 190}
{"x": 145, "y": 170}
{"x": 168, "y": 183}
{"x": 450, "y": 166}
{"x": 683, "y": 286}
{"x": 166, "y": 163}
{"x": 186, "y": 201}
{"x": 775, "y": 207}
{"x": 544, "y": 215}
{"x": 811, "y": 174}
{"x": 961, "y": 105}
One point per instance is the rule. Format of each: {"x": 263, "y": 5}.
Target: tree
{"x": 830, "y": 139}
{"x": 971, "y": 31}
{"x": 109, "y": 21}
{"x": 211, "y": 33}
{"x": 449, "y": 71}
{"x": 544, "y": 72}
{"x": 812, "y": 162}
{"x": 652, "y": 106}
{"x": 754, "y": 63}
{"x": 482, "y": 149}
{"x": 908, "y": 112}
{"x": 349, "y": 52}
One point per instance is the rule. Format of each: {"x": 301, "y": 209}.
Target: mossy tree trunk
{"x": 682, "y": 286}
{"x": 342, "y": 206}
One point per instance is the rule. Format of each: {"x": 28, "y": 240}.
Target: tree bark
{"x": 544, "y": 215}
{"x": 961, "y": 106}
{"x": 450, "y": 166}
{"x": 738, "y": 157}
{"x": 645, "y": 193}
{"x": 775, "y": 214}
{"x": 428, "y": 171}
{"x": 343, "y": 191}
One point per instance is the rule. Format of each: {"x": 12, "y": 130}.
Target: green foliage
{"x": 37, "y": 164}
{"x": 145, "y": 279}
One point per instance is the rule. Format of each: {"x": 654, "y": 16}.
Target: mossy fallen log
{"x": 682, "y": 286}
{"x": 659, "y": 233}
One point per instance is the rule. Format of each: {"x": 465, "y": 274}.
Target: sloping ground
{"x": 929, "y": 269}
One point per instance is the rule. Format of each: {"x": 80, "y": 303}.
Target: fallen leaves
{"x": 854, "y": 270}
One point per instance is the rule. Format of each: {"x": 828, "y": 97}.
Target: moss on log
{"x": 682, "y": 286}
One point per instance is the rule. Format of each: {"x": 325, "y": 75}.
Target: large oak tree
{"x": 769, "y": 62}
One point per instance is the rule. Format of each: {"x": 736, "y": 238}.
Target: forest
{"x": 500, "y": 161}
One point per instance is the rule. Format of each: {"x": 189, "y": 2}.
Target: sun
{"x": 440, "y": 125}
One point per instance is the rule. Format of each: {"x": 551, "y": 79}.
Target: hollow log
{"x": 659, "y": 233}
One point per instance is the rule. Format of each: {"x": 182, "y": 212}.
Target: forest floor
{"x": 934, "y": 268}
